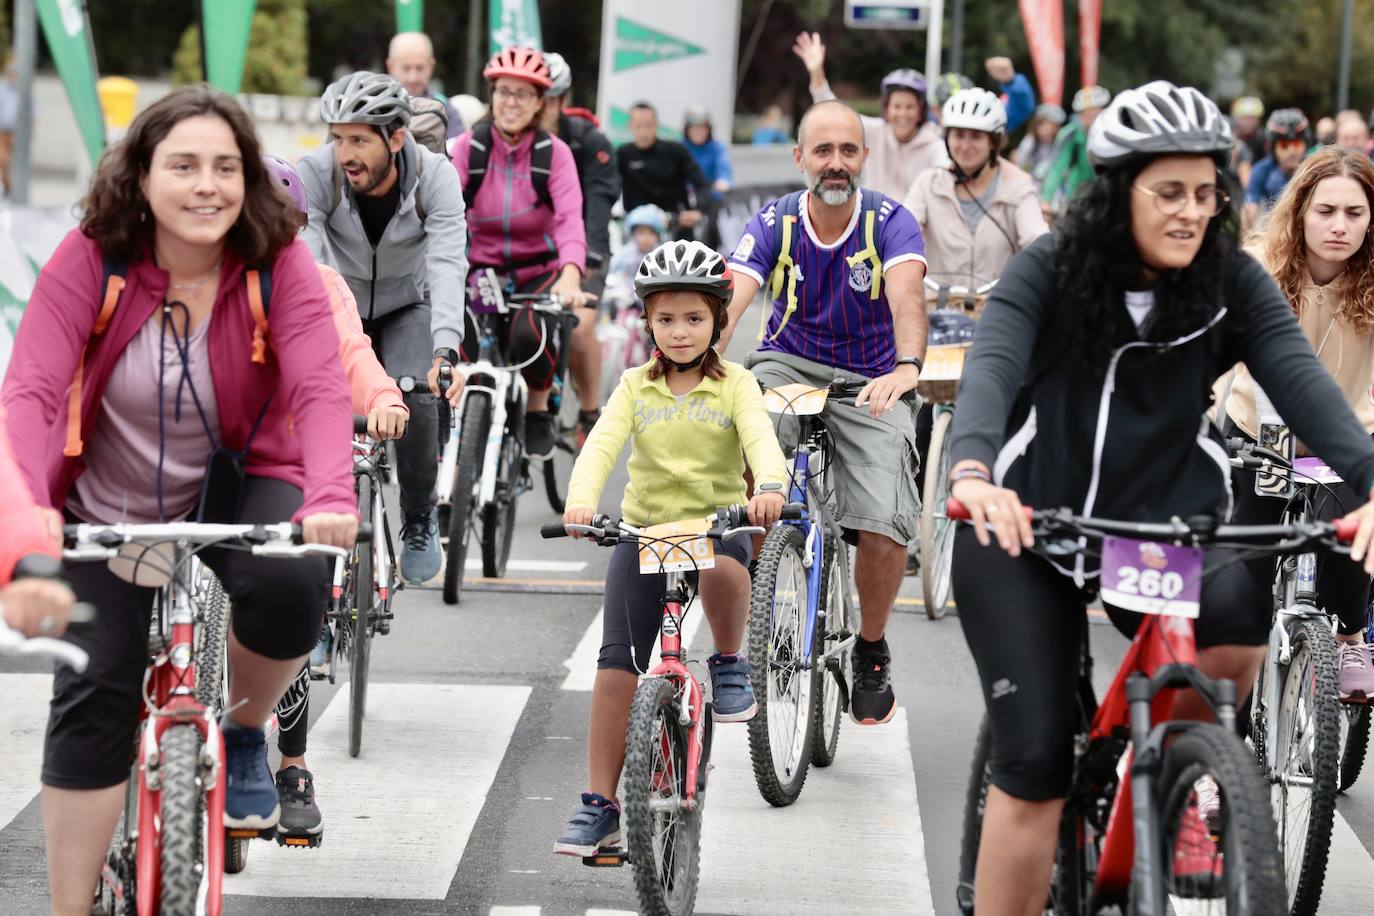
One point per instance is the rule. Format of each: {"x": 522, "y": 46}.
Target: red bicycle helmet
{"x": 520, "y": 63}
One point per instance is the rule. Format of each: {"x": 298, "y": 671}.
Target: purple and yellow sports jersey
{"x": 836, "y": 321}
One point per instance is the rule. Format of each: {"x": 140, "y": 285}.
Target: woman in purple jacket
{"x": 180, "y": 371}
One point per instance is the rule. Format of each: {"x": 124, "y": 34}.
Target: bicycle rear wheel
{"x": 1354, "y": 743}
{"x": 784, "y": 682}
{"x": 1303, "y": 791}
{"x": 833, "y": 627}
{"x": 361, "y": 595}
{"x": 211, "y": 645}
{"x": 937, "y": 530}
{"x": 662, "y": 837}
{"x": 558, "y": 467}
{"x": 471, "y": 446}
{"x": 181, "y": 812}
{"x": 1227, "y": 862}
{"x": 498, "y": 516}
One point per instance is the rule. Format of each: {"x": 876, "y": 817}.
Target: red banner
{"x": 1044, "y": 24}
{"x": 1089, "y": 38}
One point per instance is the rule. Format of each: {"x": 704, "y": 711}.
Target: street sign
{"x": 886, "y": 14}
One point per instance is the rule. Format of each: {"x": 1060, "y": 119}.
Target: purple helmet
{"x": 285, "y": 174}
{"x": 908, "y": 79}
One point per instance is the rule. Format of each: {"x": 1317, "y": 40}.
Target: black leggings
{"x": 633, "y": 612}
{"x": 278, "y": 605}
{"x": 521, "y": 334}
{"x": 1023, "y": 623}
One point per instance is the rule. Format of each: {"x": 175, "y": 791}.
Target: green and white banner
{"x": 68, "y": 34}
{"x": 679, "y": 49}
{"x": 514, "y": 23}
{"x": 410, "y": 15}
{"x": 227, "y": 26}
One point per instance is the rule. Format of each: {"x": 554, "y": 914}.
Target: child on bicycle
{"x": 691, "y": 419}
{"x": 646, "y": 225}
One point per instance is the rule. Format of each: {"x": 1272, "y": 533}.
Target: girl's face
{"x": 1336, "y": 220}
{"x": 682, "y": 324}
{"x": 1172, "y": 201}
{"x": 194, "y": 185}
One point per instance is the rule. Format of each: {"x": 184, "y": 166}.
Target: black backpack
{"x": 479, "y": 153}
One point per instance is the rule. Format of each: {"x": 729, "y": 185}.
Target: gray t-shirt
{"x": 973, "y": 212}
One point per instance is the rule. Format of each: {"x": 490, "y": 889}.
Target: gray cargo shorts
{"x": 874, "y": 460}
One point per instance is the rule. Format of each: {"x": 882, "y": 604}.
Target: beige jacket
{"x": 1346, "y": 354}
{"x": 959, "y": 257}
{"x": 893, "y": 165}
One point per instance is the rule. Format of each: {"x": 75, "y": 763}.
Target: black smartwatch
{"x": 911, "y": 361}
{"x": 447, "y": 353}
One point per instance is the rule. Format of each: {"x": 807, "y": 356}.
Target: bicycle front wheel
{"x": 180, "y": 812}
{"x": 472, "y": 441}
{"x": 937, "y": 530}
{"x": 1307, "y": 746}
{"x": 784, "y": 680}
{"x": 1219, "y": 851}
{"x": 361, "y": 595}
{"x": 662, "y": 837}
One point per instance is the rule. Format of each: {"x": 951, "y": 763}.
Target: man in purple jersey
{"x": 844, "y": 268}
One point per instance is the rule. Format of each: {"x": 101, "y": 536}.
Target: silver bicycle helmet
{"x": 683, "y": 265}
{"x": 560, "y": 72}
{"x": 1159, "y": 119}
{"x": 366, "y": 98}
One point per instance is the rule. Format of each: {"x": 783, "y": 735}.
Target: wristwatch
{"x": 911, "y": 361}
{"x": 770, "y": 487}
{"x": 447, "y": 353}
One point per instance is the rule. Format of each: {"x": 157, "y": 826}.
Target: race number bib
{"x": 1314, "y": 470}
{"x": 1151, "y": 578}
{"x": 682, "y": 547}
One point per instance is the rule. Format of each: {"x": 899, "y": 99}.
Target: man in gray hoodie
{"x": 388, "y": 215}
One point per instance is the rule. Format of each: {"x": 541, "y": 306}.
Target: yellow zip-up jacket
{"x": 686, "y": 452}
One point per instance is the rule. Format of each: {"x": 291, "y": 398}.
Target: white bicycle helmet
{"x": 683, "y": 265}
{"x": 1159, "y": 119}
{"x": 974, "y": 109}
{"x": 560, "y": 72}
{"x": 1090, "y": 97}
{"x": 365, "y": 97}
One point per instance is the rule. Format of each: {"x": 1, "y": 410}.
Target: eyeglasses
{"x": 523, "y": 96}
{"x": 1172, "y": 199}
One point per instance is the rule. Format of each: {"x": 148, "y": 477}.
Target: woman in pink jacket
{"x": 182, "y": 372}
{"x": 540, "y": 244}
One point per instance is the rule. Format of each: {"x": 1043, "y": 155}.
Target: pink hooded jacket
{"x": 22, "y": 531}
{"x": 368, "y": 382}
{"x": 306, "y": 433}
{"x": 507, "y": 223}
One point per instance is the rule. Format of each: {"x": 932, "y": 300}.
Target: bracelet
{"x": 967, "y": 473}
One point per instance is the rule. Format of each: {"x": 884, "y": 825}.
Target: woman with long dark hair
{"x": 1088, "y": 386}
{"x": 182, "y": 375}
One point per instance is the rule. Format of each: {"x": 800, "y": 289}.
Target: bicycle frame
{"x": 673, "y": 667}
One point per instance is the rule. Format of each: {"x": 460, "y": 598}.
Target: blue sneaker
{"x": 420, "y": 555}
{"x": 250, "y": 796}
{"x": 732, "y": 693}
{"x": 593, "y": 827}
{"x": 319, "y": 656}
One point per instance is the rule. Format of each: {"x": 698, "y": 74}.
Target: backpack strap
{"x": 869, "y": 203}
{"x": 420, "y": 210}
{"x": 787, "y": 210}
{"x": 479, "y": 153}
{"x": 259, "y": 281}
{"x": 115, "y": 277}
{"x": 541, "y": 165}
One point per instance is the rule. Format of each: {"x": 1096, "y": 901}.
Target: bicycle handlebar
{"x": 12, "y": 642}
{"x": 952, "y": 290}
{"x": 730, "y": 521}
{"x": 281, "y": 540}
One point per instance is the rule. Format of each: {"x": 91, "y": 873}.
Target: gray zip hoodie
{"x": 417, "y": 259}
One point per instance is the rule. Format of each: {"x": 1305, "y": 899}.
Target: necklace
{"x": 192, "y": 287}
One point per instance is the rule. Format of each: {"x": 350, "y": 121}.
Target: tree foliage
{"x": 276, "y": 59}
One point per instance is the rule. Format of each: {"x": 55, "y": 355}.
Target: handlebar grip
{"x": 553, "y": 531}
{"x": 1346, "y": 529}
{"x": 359, "y": 425}
{"x": 792, "y": 511}
{"x": 38, "y": 566}
{"x": 364, "y": 533}
{"x": 959, "y": 512}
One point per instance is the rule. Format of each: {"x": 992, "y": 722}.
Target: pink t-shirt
{"x": 120, "y": 483}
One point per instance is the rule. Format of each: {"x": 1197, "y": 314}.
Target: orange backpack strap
{"x": 259, "y": 310}
{"x": 114, "y": 287}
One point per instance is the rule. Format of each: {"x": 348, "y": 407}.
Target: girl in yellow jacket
{"x": 691, "y": 419}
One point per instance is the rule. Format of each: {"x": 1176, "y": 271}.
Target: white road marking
{"x": 563, "y": 566}
{"x": 23, "y": 721}
{"x": 388, "y": 832}
{"x": 855, "y": 832}
{"x": 514, "y": 911}
{"x": 1345, "y": 892}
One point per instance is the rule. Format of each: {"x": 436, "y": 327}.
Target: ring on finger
{"x": 47, "y": 624}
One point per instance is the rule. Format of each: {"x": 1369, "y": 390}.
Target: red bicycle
{"x": 668, "y": 740}
{"x": 168, "y": 854}
{"x": 1162, "y": 815}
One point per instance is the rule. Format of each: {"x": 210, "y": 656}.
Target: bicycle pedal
{"x": 608, "y": 858}
{"x": 300, "y": 840}
{"x": 248, "y": 833}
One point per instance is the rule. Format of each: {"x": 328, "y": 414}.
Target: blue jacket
{"x": 713, "y": 158}
{"x": 1020, "y": 101}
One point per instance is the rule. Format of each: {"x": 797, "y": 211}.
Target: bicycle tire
{"x": 180, "y": 812}
{"x": 498, "y": 516}
{"x": 558, "y": 467}
{"x": 780, "y": 757}
{"x": 832, "y": 626}
{"x": 1310, "y": 684}
{"x": 1252, "y": 872}
{"x": 212, "y": 645}
{"x": 1356, "y": 743}
{"x": 361, "y": 593}
{"x": 472, "y": 442}
{"x": 937, "y": 532}
{"x": 667, "y": 887}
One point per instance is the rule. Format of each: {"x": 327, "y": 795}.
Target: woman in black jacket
{"x": 1087, "y": 387}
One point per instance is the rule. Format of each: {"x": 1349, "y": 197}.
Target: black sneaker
{"x": 300, "y": 823}
{"x": 541, "y": 433}
{"x": 586, "y": 419}
{"x": 872, "y": 702}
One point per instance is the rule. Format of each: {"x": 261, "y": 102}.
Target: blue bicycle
{"x": 802, "y": 618}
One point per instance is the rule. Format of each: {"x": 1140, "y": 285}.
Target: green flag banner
{"x": 68, "y": 34}
{"x": 410, "y": 15}
{"x": 226, "y": 27}
{"x": 514, "y": 23}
